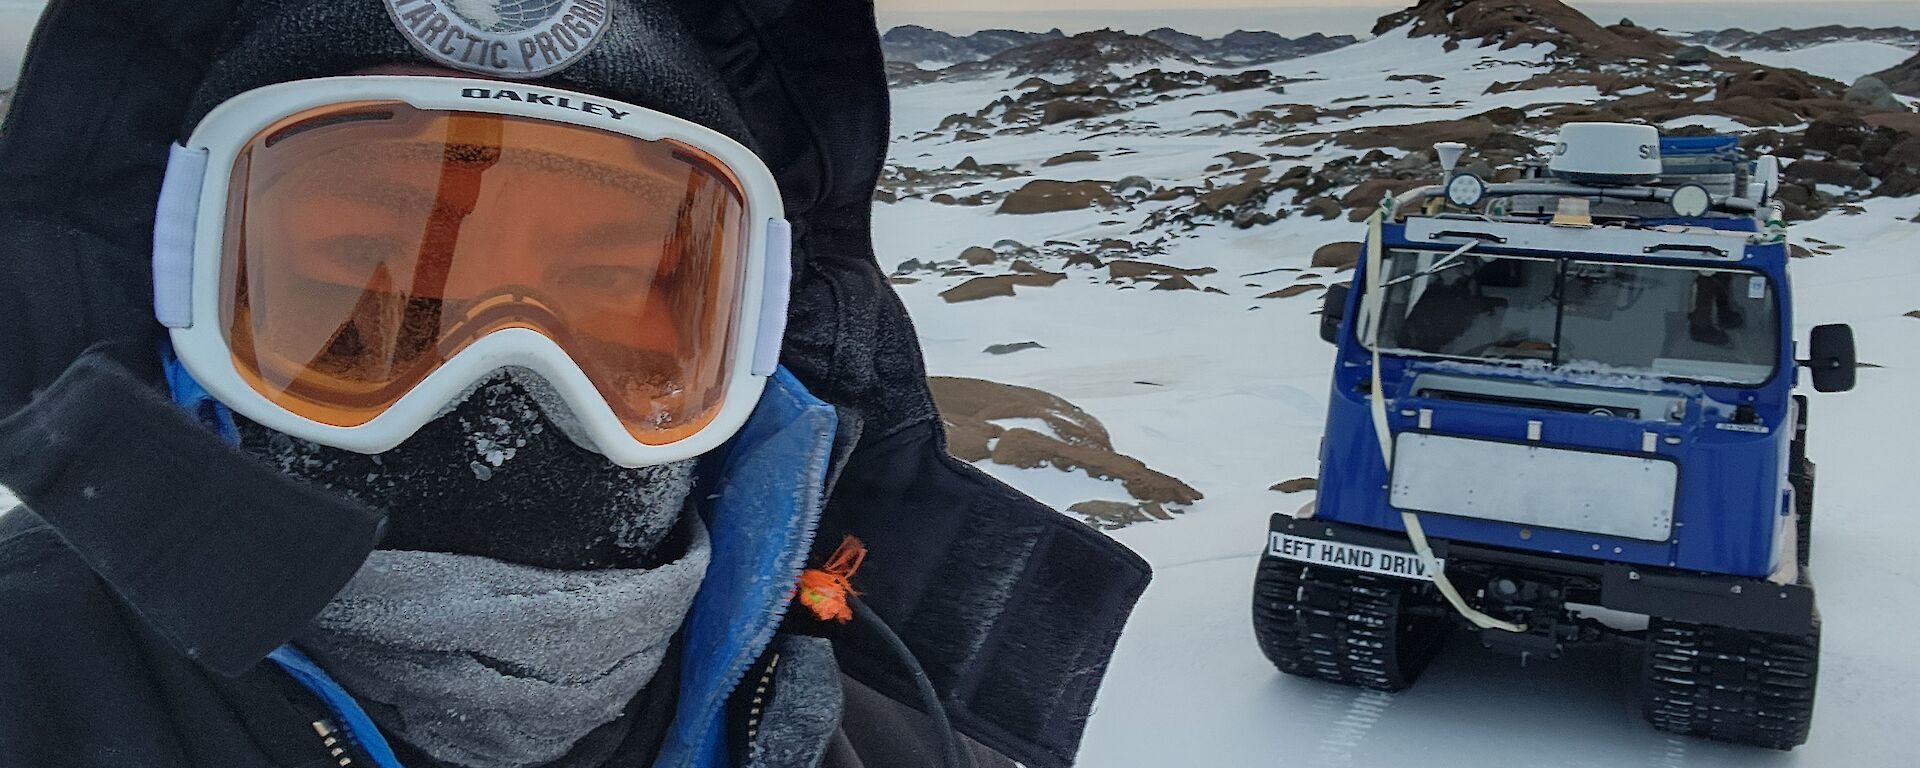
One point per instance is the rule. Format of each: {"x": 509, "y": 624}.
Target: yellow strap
{"x": 1384, "y": 434}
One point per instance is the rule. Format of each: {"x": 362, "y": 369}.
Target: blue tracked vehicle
{"x": 1566, "y": 393}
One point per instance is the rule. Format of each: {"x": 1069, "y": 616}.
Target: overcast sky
{"x": 1297, "y": 17}
{"x": 1216, "y": 17}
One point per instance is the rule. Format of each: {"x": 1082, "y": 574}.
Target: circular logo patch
{"x": 503, "y": 38}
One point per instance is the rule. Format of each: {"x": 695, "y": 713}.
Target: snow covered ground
{"x": 1228, "y": 392}
{"x": 1843, "y": 61}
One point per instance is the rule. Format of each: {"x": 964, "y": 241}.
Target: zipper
{"x": 756, "y": 710}
{"x": 329, "y": 739}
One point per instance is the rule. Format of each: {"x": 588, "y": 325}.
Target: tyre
{"x": 1731, "y": 685}
{"x": 1345, "y": 627}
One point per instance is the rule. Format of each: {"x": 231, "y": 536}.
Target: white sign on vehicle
{"x": 1352, "y": 557}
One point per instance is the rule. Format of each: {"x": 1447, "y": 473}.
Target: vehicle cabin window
{"x": 1705, "y": 324}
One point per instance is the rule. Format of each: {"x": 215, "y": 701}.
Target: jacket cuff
{"x": 209, "y": 547}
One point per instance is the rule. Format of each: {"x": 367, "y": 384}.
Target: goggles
{"x": 343, "y": 259}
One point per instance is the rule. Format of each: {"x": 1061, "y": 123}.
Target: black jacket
{"x": 142, "y": 589}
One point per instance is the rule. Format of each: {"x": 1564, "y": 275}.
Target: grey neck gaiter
{"x": 490, "y": 664}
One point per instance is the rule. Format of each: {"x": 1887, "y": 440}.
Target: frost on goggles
{"x": 367, "y": 244}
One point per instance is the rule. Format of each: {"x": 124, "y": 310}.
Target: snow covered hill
{"x": 1205, "y": 363}
{"x": 1845, "y": 61}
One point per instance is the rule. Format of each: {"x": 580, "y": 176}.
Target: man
{"x": 409, "y": 382}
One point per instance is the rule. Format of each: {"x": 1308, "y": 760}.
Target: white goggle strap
{"x": 774, "y": 297}
{"x": 174, "y": 220}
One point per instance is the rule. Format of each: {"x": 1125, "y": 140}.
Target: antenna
{"x": 1450, "y": 152}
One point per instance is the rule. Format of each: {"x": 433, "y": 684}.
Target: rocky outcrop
{"x": 1129, "y": 269}
{"x": 1511, "y": 23}
{"x": 1873, "y": 92}
{"x": 1075, "y": 441}
{"x": 916, "y": 44}
{"x": 1087, "y": 53}
{"x": 1243, "y": 47}
{"x": 1903, "y": 78}
{"x": 1046, "y": 196}
{"x": 1293, "y": 290}
{"x": 1783, "y": 39}
{"x": 1296, "y": 485}
{"x": 1342, "y": 255}
{"x": 1076, "y": 156}
{"x": 998, "y": 285}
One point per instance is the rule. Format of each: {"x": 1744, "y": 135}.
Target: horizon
{"x": 1299, "y": 17}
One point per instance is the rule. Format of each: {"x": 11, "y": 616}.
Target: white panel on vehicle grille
{"x": 1602, "y": 493}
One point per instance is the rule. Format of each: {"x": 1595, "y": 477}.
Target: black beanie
{"x": 645, "y": 56}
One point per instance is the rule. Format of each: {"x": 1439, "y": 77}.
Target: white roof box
{"x": 1607, "y": 153}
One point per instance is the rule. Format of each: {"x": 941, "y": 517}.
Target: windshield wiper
{"x": 1451, "y": 260}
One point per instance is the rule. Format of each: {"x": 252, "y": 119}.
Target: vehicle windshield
{"x": 1704, "y": 324}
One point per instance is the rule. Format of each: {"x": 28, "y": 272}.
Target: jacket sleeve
{"x": 76, "y": 691}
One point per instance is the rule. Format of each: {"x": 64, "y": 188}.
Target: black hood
{"x": 1011, "y": 607}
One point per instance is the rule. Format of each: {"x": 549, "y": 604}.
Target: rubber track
{"x": 1731, "y": 685}
{"x": 1339, "y": 626}
{"x": 1802, "y": 477}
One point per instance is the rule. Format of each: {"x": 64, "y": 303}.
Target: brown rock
{"x": 1130, "y": 269}
{"x": 1064, "y": 110}
{"x": 978, "y": 256}
{"x": 962, "y": 399}
{"x": 998, "y": 285}
{"x": 1028, "y": 449}
{"x": 1007, "y": 349}
{"x": 1109, "y": 515}
{"x": 978, "y": 288}
{"x": 1085, "y": 260}
{"x": 1786, "y": 84}
{"x": 1227, "y": 197}
{"x": 1831, "y": 132}
{"x": 1828, "y": 172}
{"x": 1044, "y": 196}
{"x": 1368, "y": 193}
{"x": 1323, "y": 207}
{"x": 1914, "y": 314}
{"x": 1076, "y": 156}
{"x": 1341, "y": 255}
{"x": 1292, "y": 291}
{"x": 971, "y": 439}
{"x": 1511, "y": 23}
{"x": 1176, "y": 283}
{"x": 1296, "y": 485}
{"x": 1237, "y": 159}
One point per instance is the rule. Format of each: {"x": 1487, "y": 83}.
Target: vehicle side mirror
{"x": 1333, "y": 309}
{"x": 1831, "y": 359}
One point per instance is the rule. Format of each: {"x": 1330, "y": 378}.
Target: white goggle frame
{"x": 190, "y": 228}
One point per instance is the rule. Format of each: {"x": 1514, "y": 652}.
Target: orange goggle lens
{"x": 369, "y": 243}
